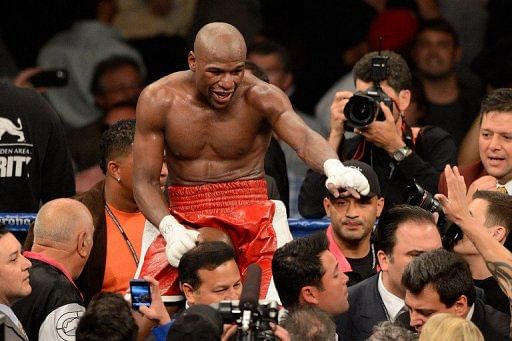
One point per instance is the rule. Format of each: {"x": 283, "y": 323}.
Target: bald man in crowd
{"x": 63, "y": 232}
{"x": 215, "y": 124}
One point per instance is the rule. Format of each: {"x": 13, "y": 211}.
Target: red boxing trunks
{"x": 241, "y": 209}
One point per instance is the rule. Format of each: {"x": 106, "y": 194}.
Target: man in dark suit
{"x": 403, "y": 233}
{"x": 440, "y": 281}
{"x": 307, "y": 273}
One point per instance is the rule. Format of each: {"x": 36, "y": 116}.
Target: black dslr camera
{"x": 417, "y": 196}
{"x": 363, "y": 108}
{"x": 251, "y": 315}
{"x": 253, "y": 324}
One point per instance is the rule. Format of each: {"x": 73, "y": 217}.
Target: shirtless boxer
{"x": 215, "y": 125}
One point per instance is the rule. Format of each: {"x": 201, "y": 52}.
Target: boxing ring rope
{"x": 18, "y": 223}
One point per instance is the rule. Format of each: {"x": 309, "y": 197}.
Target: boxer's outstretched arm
{"x": 148, "y": 151}
{"x": 275, "y": 106}
{"x": 309, "y": 145}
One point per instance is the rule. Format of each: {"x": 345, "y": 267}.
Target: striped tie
{"x": 502, "y": 189}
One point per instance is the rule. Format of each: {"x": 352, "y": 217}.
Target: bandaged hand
{"x": 179, "y": 239}
{"x": 339, "y": 176}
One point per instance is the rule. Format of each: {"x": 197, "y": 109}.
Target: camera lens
{"x": 417, "y": 196}
{"x": 360, "y": 110}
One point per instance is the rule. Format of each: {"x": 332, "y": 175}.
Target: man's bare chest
{"x": 209, "y": 134}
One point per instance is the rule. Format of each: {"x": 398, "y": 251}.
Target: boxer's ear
{"x": 192, "y": 61}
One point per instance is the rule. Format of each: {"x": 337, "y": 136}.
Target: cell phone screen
{"x": 140, "y": 292}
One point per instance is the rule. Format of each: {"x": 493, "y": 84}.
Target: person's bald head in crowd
{"x": 63, "y": 230}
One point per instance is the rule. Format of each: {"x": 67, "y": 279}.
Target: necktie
{"x": 502, "y": 189}
{"x": 403, "y": 319}
{"x": 403, "y": 311}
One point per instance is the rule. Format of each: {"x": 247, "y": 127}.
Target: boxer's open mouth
{"x": 222, "y": 96}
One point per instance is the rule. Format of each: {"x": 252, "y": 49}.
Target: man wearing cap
{"x": 352, "y": 223}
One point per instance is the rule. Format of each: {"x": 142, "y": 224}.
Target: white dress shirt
{"x": 392, "y": 303}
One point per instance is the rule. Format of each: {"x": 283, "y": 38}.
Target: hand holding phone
{"x": 50, "y": 78}
{"x": 140, "y": 293}
{"x": 156, "y": 310}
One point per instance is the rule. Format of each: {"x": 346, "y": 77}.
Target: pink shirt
{"x": 343, "y": 263}
{"x": 50, "y": 261}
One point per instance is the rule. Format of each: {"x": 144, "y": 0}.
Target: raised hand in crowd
{"x": 154, "y": 315}
{"x": 484, "y": 183}
{"x": 497, "y": 257}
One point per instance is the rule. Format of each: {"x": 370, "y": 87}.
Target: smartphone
{"x": 50, "y": 78}
{"x": 140, "y": 293}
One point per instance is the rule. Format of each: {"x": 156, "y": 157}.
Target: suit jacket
{"x": 493, "y": 324}
{"x": 90, "y": 281}
{"x": 12, "y": 333}
{"x": 366, "y": 310}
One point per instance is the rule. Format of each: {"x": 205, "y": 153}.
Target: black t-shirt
{"x": 493, "y": 294}
{"x": 362, "y": 268}
{"x": 449, "y": 117}
{"x": 35, "y": 165}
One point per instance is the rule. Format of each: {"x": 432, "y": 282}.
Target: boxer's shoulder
{"x": 177, "y": 86}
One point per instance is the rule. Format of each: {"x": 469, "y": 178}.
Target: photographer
{"x": 397, "y": 152}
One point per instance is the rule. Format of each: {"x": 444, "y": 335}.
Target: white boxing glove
{"x": 179, "y": 239}
{"x": 344, "y": 177}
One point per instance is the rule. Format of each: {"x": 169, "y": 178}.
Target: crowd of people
{"x": 186, "y": 181}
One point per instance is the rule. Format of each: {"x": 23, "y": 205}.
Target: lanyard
{"x": 120, "y": 228}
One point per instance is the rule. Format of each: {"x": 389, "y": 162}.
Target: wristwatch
{"x": 402, "y": 153}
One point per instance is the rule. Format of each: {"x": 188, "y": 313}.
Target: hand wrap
{"x": 179, "y": 239}
{"x": 339, "y": 176}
